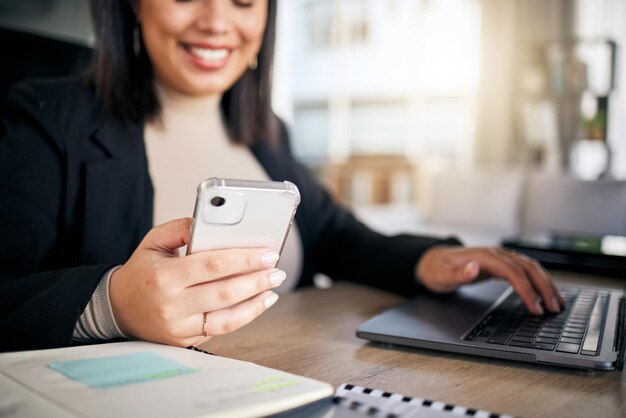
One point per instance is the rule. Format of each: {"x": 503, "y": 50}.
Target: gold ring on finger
{"x": 204, "y": 325}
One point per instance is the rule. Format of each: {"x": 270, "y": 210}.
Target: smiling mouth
{"x": 208, "y": 55}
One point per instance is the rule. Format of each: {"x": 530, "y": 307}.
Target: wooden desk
{"x": 311, "y": 333}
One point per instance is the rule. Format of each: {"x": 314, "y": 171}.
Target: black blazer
{"x": 76, "y": 199}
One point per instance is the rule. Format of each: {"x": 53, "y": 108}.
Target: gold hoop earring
{"x": 253, "y": 64}
{"x": 136, "y": 41}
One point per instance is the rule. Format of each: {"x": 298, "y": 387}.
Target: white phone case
{"x": 242, "y": 214}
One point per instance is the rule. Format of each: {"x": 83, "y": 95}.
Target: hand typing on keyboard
{"x": 444, "y": 268}
{"x": 575, "y": 330}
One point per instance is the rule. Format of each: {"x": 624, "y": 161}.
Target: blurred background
{"x": 481, "y": 117}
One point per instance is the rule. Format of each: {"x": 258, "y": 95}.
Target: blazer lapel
{"x": 118, "y": 195}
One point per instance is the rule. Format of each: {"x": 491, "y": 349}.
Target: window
{"x": 396, "y": 77}
{"x": 357, "y": 21}
{"x": 318, "y": 24}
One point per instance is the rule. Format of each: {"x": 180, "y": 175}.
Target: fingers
{"x": 169, "y": 236}
{"x": 502, "y": 266}
{"x": 227, "y": 320}
{"x": 540, "y": 280}
{"x": 190, "y": 330}
{"x": 526, "y": 276}
{"x": 221, "y": 294}
{"x": 148, "y": 293}
{"x": 207, "y": 266}
{"x": 234, "y": 317}
{"x": 444, "y": 268}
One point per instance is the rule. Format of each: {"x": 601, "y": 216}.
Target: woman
{"x": 179, "y": 91}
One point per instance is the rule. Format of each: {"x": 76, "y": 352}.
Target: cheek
{"x": 161, "y": 26}
{"x": 252, "y": 29}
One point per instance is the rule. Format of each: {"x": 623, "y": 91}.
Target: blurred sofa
{"x": 508, "y": 202}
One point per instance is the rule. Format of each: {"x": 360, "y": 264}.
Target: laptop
{"x": 489, "y": 319}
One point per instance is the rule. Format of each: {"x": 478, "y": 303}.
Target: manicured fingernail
{"x": 277, "y": 277}
{"x": 471, "y": 268}
{"x": 270, "y": 300}
{"x": 269, "y": 258}
{"x": 538, "y": 308}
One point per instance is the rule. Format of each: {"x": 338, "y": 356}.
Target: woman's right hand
{"x": 161, "y": 297}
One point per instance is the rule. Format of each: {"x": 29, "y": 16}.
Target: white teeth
{"x": 206, "y": 54}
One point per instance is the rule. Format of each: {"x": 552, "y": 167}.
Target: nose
{"x": 214, "y": 17}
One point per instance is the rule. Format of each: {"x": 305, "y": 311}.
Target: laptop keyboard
{"x": 575, "y": 330}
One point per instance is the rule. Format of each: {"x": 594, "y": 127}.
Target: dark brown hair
{"x": 124, "y": 81}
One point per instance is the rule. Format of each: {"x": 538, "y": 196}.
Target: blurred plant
{"x": 595, "y": 126}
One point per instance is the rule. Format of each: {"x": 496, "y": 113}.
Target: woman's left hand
{"x": 443, "y": 269}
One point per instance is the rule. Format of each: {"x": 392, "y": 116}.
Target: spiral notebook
{"x": 380, "y": 404}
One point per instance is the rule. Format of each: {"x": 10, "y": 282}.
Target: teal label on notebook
{"x": 110, "y": 372}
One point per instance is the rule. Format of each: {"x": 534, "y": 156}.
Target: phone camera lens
{"x": 218, "y": 201}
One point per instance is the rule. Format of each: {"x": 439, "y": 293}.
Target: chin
{"x": 207, "y": 88}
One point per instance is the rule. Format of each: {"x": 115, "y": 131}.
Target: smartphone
{"x": 242, "y": 214}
